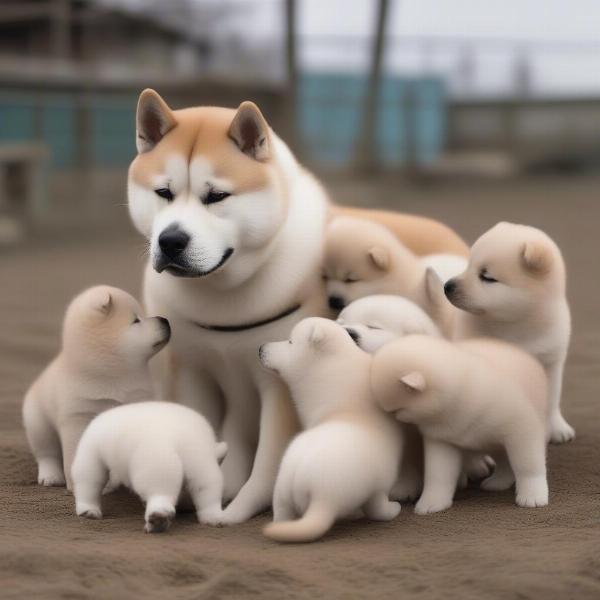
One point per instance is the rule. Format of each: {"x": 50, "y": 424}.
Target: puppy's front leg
{"x": 278, "y": 423}
{"x": 443, "y": 465}
{"x": 71, "y": 430}
{"x": 560, "y": 430}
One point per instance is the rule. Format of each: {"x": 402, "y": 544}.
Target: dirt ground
{"x": 483, "y": 547}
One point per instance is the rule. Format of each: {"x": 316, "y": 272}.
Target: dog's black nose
{"x": 336, "y": 302}
{"x": 354, "y": 335}
{"x": 449, "y": 287}
{"x": 164, "y": 323}
{"x": 173, "y": 241}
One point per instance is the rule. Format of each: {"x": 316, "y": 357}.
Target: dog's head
{"x": 361, "y": 259}
{"x": 105, "y": 329}
{"x": 412, "y": 376}
{"x": 513, "y": 270}
{"x": 311, "y": 342}
{"x": 377, "y": 320}
{"x": 206, "y": 187}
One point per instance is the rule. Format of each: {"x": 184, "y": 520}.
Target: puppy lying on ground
{"x": 514, "y": 289}
{"x": 363, "y": 258}
{"x": 152, "y": 448}
{"x": 348, "y": 456}
{"x": 478, "y": 395}
{"x": 106, "y": 345}
{"x": 377, "y": 320}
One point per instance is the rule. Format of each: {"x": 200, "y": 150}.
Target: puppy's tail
{"x": 316, "y": 521}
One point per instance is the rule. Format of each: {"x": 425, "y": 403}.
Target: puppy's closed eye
{"x": 486, "y": 277}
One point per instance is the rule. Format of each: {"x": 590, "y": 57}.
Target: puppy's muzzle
{"x": 450, "y": 288}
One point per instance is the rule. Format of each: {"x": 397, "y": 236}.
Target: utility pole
{"x": 366, "y": 155}
{"x": 291, "y": 101}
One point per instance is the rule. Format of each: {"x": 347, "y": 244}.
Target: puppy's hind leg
{"x": 560, "y": 430}
{"x": 44, "y": 443}
{"x": 89, "y": 477}
{"x": 379, "y": 508}
{"x": 157, "y": 477}
{"x": 502, "y": 478}
{"x": 205, "y": 485}
{"x": 410, "y": 474}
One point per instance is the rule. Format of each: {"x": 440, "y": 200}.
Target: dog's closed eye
{"x": 486, "y": 277}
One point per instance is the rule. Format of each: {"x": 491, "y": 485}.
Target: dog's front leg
{"x": 560, "y": 430}
{"x": 278, "y": 424}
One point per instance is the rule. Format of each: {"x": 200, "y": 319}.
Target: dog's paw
{"x": 478, "y": 467}
{"x": 498, "y": 482}
{"x": 51, "y": 476}
{"x": 211, "y": 516}
{"x": 560, "y": 430}
{"x": 158, "y": 521}
{"x": 533, "y": 492}
{"x": 392, "y": 510}
{"x": 406, "y": 489}
{"x": 88, "y": 511}
{"x": 426, "y": 506}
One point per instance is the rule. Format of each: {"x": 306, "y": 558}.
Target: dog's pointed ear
{"x": 536, "y": 258}
{"x": 380, "y": 257}
{"x": 106, "y": 304}
{"x": 154, "y": 119}
{"x": 250, "y": 132}
{"x": 433, "y": 288}
{"x": 317, "y": 335}
{"x": 415, "y": 381}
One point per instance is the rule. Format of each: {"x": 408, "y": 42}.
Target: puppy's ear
{"x": 415, "y": 381}
{"x": 380, "y": 257}
{"x": 433, "y": 288}
{"x": 537, "y": 258}
{"x": 250, "y": 132}
{"x": 317, "y": 336}
{"x": 106, "y": 304}
{"x": 154, "y": 119}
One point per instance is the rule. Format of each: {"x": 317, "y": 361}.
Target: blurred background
{"x": 392, "y": 102}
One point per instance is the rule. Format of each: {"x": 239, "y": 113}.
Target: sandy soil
{"x": 483, "y": 547}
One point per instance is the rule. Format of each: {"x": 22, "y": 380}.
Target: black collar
{"x": 245, "y": 326}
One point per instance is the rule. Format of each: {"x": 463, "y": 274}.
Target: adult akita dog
{"x": 235, "y": 227}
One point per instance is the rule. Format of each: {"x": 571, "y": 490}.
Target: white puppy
{"x": 107, "y": 344}
{"x": 478, "y": 395}
{"x": 377, "y": 320}
{"x": 153, "y": 448}
{"x": 373, "y": 321}
{"x": 362, "y": 258}
{"x": 348, "y": 456}
{"x": 514, "y": 289}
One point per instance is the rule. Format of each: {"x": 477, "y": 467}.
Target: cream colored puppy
{"x": 152, "y": 448}
{"x": 515, "y": 289}
{"x": 478, "y": 395}
{"x": 106, "y": 345}
{"x": 373, "y": 321}
{"x": 362, "y": 258}
{"x": 377, "y": 320}
{"x": 347, "y": 458}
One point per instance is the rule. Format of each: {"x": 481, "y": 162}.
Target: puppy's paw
{"x": 406, "y": 489}
{"x": 211, "y": 516}
{"x": 426, "y": 506}
{"x": 560, "y": 430}
{"x": 498, "y": 482}
{"x": 392, "y": 510}
{"x": 478, "y": 467}
{"x": 51, "y": 476}
{"x": 158, "y": 521}
{"x": 88, "y": 511}
{"x": 533, "y": 492}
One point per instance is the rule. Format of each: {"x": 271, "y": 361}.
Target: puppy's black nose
{"x": 336, "y": 302}
{"x": 450, "y": 287}
{"x": 164, "y": 323}
{"x": 354, "y": 335}
{"x": 173, "y": 241}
